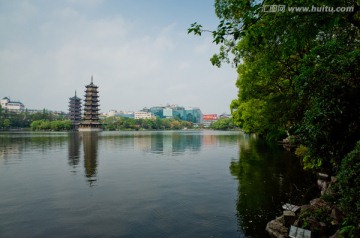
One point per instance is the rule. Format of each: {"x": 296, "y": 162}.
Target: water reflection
{"x": 74, "y": 149}
{"x": 268, "y": 177}
{"x": 177, "y": 143}
{"x": 90, "y": 145}
{"x": 193, "y": 194}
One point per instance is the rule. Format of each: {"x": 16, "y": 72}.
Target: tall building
{"x": 157, "y": 111}
{"x": 90, "y": 120}
{"x": 193, "y": 115}
{"x": 75, "y": 111}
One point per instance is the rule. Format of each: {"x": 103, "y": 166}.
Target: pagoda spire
{"x": 91, "y": 79}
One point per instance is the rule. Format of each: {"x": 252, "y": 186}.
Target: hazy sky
{"x": 138, "y": 52}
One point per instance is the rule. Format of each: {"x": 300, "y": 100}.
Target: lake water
{"x": 143, "y": 184}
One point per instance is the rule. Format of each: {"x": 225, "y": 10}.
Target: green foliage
{"x": 115, "y": 123}
{"x": 23, "y": 119}
{"x": 310, "y": 216}
{"x": 6, "y": 123}
{"x": 298, "y": 74}
{"x": 348, "y": 187}
{"x": 349, "y": 231}
{"x": 301, "y": 151}
{"x": 44, "y": 125}
{"x": 223, "y": 124}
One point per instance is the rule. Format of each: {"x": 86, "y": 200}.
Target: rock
{"x": 323, "y": 176}
{"x": 322, "y": 229}
{"x": 289, "y": 218}
{"x": 336, "y": 215}
{"x": 316, "y": 201}
{"x": 276, "y": 229}
{"x": 304, "y": 208}
{"x": 336, "y": 235}
{"x": 333, "y": 179}
{"x": 296, "y": 223}
{"x": 323, "y": 185}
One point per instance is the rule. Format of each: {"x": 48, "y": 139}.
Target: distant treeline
{"x": 116, "y": 123}
{"x": 46, "y": 125}
{"x": 14, "y": 120}
{"x": 223, "y": 124}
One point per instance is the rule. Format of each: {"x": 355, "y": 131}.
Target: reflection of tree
{"x": 74, "y": 149}
{"x": 90, "y": 140}
{"x": 268, "y": 177}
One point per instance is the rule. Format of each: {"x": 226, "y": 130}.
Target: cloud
{"x": 134, "y": 63}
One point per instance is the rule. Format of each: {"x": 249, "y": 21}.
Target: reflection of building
{"x": 209, "y": 140}
{"x": 7, "y": 104}
{"x": 75, "y": 111}
{"x": 90, "y": 141}
{"x": 168, "y": 143}
{"x": 90, "y": 121}
{"x": 142, "y": 142}
{"x": 74, "y": 149}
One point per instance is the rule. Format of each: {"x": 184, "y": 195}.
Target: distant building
{"x": 193, "y": 115}
{"x": 225, "y": 115}
{"x": 142, "y": 115}
{"x": 75, "y": 110}
{"x": 9, "y": 105}
{"x": 168, "y": 112}
{"x": 145, "y": 109}
{"x": 126, "y": 114}
{"x": 209, "y": 118}
{"x": 177, "y": 112}
{"x": 157, "y": 111}
{"x": 111, "y": 113}
{"x": 90, "y": 120}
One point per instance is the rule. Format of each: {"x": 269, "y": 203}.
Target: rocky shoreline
{"x": 320, "y": 217}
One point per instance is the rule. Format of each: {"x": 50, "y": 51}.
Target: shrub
{"x": 349, "y": 190}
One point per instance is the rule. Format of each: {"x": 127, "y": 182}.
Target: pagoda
{"x": 75, "y": 111}
{"x": 90, "y": 120}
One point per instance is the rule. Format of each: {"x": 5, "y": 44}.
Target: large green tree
{"x": 298, "y": 72}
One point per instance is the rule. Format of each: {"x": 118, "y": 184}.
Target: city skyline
{"x": 167, "y": 105}
{"x": 138, "y": 52}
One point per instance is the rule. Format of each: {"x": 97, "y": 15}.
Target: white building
{"x": 7, "y": 104}
{"x": 142, "y": 115}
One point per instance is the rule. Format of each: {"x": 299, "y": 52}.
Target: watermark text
{"x": 284, "y": 8}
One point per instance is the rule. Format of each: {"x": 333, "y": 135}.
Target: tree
{"x": 222, "y": 124}
{"x": 6, "y": 123}
{"x": 298, "y": 73}
{"x": 298, "y": 76}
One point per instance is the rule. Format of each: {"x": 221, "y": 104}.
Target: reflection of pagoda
{"x": 75, "y": 111}
{"x": 90, "y": 121}
{"x": 90, "y": 143}
{"x": 74, "y": 150}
